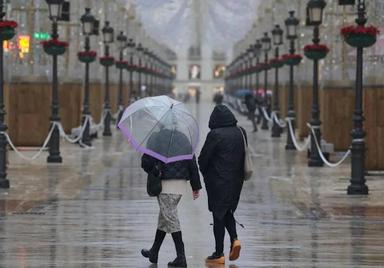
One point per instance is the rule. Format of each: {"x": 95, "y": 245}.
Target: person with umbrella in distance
{"x": 221, "y": 162}
{"x": 167, "y": 134}
{"x": 250, "y": 102}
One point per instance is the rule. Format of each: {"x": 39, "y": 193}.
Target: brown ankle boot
{"x": 235, "y": 250}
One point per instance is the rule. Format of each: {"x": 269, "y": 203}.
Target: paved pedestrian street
{"x": 93, "y": 211}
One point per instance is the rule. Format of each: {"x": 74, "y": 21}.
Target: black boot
{"x": 180, "y": 260}
{"x": 153, "y": 253}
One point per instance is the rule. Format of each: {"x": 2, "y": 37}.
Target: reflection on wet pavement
{"x": 93, "y": 211}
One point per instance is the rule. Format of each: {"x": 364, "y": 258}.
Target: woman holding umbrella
{"x": 165, "y": 131}
{"x": 222, "y": 164}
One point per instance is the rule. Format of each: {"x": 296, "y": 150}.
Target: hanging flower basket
{"x": 54, "y": 47}
{"x": 276, "y": 63}
{"x": 145, "y": 70}
{"x": 87, "y": 56}
{"x": 107, "y": 61}
{"x": 316, "y": 51}
{"x": 259, "y": 67}
{"x": 292, "y": 59}
{"x": 360, "y": 36}
{"x": 7, "y": 29}
{"x": 150, "y": 71}
{"x": 121, "y": 64}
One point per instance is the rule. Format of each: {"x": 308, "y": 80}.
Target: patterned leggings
{"x": 168, "y": 218}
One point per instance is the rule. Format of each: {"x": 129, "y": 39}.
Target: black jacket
{"x": 182, "y": 170}
{"x": 250, "y": 102}
{"x": 222, "y": 162}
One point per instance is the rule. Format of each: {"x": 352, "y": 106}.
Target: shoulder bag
{"x": 154, "y": 187}
{"x": 248, "y": 163}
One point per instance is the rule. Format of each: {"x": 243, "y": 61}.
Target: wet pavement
{"x": 93, "y": 211}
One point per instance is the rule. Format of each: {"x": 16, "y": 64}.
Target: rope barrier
{"x": 278, "y": 121}
{"x": 101, "y": 123}
{"x": 266, "y": 115}
{"x": 293, "y": 137}
{"x": 78, "y": 138}
{"x": 45, "y": 144}
{"x": 321, "y": 153}
{"x": 116, "y": 115}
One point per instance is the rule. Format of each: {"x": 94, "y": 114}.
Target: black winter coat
{"x": 222, "y": 162}
{"x": 182, "y": 170}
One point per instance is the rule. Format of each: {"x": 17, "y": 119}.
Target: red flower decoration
{"x": 275, "y": 60}
{"x": 358, "y": 29}
{"x": 91, "y": 54}
{"x": 8, "y": 23}
{"x": 316, "y": 47}
{"x": 291, "y": 56}
{"x": 122, "y": 62}
{"x": 54, "y": 42}
{"x": 107, "y": 58}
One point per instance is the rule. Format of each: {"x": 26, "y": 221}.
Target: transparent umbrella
{"x": 161, "y": 127}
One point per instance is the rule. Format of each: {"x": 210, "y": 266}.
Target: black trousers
{"x": 252, "y": 116}
{"x": 219, "y": 225}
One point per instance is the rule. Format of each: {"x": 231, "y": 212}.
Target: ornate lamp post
{"x": 88, "y": 22}
{"x": 266, "y": 46}
{"x": 243, "y": 64}
{"x": 145, "y": 72}
{"x": 122, "y": 44}
{"x": 237, "y": 73}
{"x": 277, "y": 34}
{"x": 131, "y": 54}
{"x": 291, "y": 26}
{"x": 150, "y": 73}
{"x": 54, "y": 7}
{"x": 4, "y": 182}
{"x": 139, "y": 51}
{"x": 257, "y": 53}
{"x": 315, "y": 18}
{"x": 249, "y": 61}
{"x": 357, "y": 183}
{"x": 108, "y": 37}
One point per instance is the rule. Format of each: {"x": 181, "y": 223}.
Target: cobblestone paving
{"x": 93, "y": 211}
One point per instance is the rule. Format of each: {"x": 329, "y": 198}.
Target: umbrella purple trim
{"x": 143, "y": 150}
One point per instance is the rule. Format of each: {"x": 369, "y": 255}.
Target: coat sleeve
{"x": 207, "y": 152}
{"x": 194, "y": 175}
{"x": 148, "y": 163}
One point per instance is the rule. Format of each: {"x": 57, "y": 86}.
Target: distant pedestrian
{"x": 218, "y": 98}
{"x": 174, "y": 177}
{"x": 250, "y": 102}
{"x": 222, "y": 164}
{"x": 198, "y": 93}
{"x": 259, "y": 104}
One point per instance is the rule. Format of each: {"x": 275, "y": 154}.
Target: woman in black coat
{"x": 222, "y": 164}
{"x": 174, "y": 177}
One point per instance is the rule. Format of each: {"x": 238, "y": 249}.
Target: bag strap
{"x": 242, "y": 134}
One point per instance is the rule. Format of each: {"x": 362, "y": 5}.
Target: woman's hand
{"x": 196, "y": 194}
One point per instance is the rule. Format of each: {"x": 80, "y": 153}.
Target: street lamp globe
{"x": 88, "y": 22}
{"x": 146, "y": 55}
{"x": 55, "y": 7}
{"x": 131, "y": 47}
{"x": 277, "y": 34}
{"x": 140, "y": 51}
{"x": 249, "y": 52}
{"x": 266, "y": 42}
{"x": 315, "y": 11}
{"x": 257, "y": 48}
{"x": 291, "y": 24}
{"x": 108, "y": 33}
{"x": 122, "y": 41}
